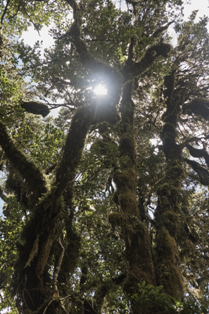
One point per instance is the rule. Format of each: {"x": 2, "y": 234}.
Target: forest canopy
{"x": 106, "y": 205}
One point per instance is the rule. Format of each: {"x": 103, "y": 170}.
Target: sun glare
{"x": 100, "y": 90}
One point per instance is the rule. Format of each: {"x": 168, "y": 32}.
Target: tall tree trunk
{"x": 137, "y": 241}
{"x": 167, "y": 257}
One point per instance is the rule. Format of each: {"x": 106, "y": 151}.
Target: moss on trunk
{"x": 167, "y": 258}
{"x": 136, "y": 236}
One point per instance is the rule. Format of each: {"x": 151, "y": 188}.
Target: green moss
{"x": 35, "y": 108}
{"x": 166, "y": 266}
{"x": 170, "y": 220}
{"x": 139, "y": 257}
{"x": 26, "y": 167}
{"x": 125, "y": 179}
{"x": 127, "y": 149}
{"x": 166, "y": 245}
{"x": 128, "y": 202}
{"x": 114, "y": 219}
{"x": 71, "y": 257}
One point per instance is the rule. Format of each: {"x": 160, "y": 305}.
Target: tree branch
{"x": 5, "y": 10}
{"x": 35, "y": 107}
{"x": 83, "y": 118}
{"x": 22, "y": 164}
{"x": 138, "y": 68}
{"x": 161, "y": 29}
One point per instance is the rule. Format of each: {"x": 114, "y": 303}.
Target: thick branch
{"x": 75, "y": 141}
{"x": 198, "y": 106}
{"x": 132, "y": 48}
{"x": 168, "y": 93}
{"x": 161, "y": 29}
{"x": 138, "y": 68}
{"x": 44, "y": 225}
{"x": 21, "y": 163}
{"x": 35, "y": 107}
{"x": 198, "y": 153}
{"x": 202, "y": 172}
{"x": 169, "y": 198}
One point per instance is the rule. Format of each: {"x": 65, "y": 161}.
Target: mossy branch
{"x": 131, "y": 48}
{"x": 35, "y": 107}
{"x": 169, "y": 85}
{"x": 83, "y": 118}
{"x": 138, "y": 68}
{"x": 73, "y": 149}
{"x": 198, "y": 153}
{"x": 199, "y": 107}
{"x": 22, "y": 164}
{"x": 47, "y": 228}
{"x": 202, "y": 172}
{"x": 161, "y": 29}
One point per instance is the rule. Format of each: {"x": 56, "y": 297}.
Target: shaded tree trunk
{"x": 137, "y": 240}
{"x": 167, "y": 258}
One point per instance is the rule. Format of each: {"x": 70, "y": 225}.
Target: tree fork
{"x": 31, "y": 272}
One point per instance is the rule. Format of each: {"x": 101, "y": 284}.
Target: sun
{"x": 100, "y": 90}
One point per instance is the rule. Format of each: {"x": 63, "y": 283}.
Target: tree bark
{"x": 137, "y": 240}
{"x": 167, "y": 257}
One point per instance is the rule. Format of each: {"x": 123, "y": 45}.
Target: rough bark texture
{"x": 167, "y": 257}
{"x": 136, "y": 236}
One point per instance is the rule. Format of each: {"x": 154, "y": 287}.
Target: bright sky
{"x": 203, "y": 9}
{"x": 201, "y": 5}
{"x": 32, "y": 35}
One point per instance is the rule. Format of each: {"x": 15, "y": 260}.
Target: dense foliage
{"x": 106, "y": 205}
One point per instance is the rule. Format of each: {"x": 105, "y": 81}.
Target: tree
{"x": 78, "y": 234}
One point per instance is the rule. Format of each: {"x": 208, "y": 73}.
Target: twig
{"x": 11, "y": 17}
{"x": 57, "y": 269}
{"x": 182, "y": 145}
{"x": 47, "y": 306}
{"x": 64, "y": 309}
